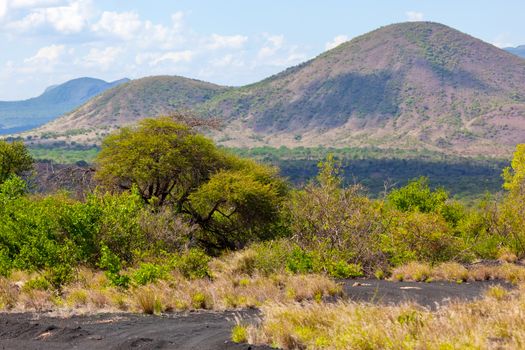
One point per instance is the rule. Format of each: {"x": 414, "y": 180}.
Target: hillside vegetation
{"x": 413, "y": 86}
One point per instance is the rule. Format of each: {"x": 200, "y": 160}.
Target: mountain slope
{"x": 519, "y": 50}
{"x": 416, "y": 85}
{"x": 137, "y": 99}
{"x": 409, "y": 85}
{"x": 55, "y": 101}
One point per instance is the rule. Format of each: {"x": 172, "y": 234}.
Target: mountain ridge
{"x": 518, "y": 50}
{"x": 53, "y": 102}
{"x": 415, "y": 85}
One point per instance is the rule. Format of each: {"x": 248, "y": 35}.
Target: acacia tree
{"x": 164, "y": 159}
{"x": 231, "y": 199}
{"x": 14, "y": 159}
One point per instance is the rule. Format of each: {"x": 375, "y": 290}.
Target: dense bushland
{"x": 169, "y": 200}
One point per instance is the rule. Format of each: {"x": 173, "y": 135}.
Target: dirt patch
{"x": 429, "y": 295}
{"x": 199, "y": 330}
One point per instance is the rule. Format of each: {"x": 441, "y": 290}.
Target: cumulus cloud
{"x": 70, "y": 18}
{"x": 3, "y": 8}
{"x": 122, "y": 25}
{"x": 273, "y": 44}
{"x": 102, "y": 58}
{"x": 336, "y": 41}
{"x": 232, "y": 42}
{"x": 156, "y": 58}
{"x": 47, "y": 54}
{"x": 414, "y": 16}
{"x": 174, "y": 57}
{"x": 33, "y": 3}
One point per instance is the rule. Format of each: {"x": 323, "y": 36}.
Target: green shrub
{"x": 112, "y": 265}
{"x": 193, "y": 264}
{"x": 299, "y": 261}
{"x": 342, "y": 269}
{"x": 38, "y": 283}
{"x": 148, "y": 273}
{"x": 417, "y": 195}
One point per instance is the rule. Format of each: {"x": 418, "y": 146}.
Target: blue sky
{"x": 231, "y": 42}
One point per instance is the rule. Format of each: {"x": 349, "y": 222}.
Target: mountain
{"x": 519, "y": 50}
{"x": 128, "y": 103}
{"x": 56, "y": 100}
{"x": 415, "y": 86}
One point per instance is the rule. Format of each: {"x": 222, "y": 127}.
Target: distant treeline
{"x": 378, "y": 169}
{"x": 374, "y": 168}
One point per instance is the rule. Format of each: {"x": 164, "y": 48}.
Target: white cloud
{"x": 272, "y": 45}
{"x": 232, "y": 42}
{"x": 33, "y": 3}
{"x": 47, "y": 54}
{"x": 70, "y": 18}
{"x": 3, "y": 8}
{"x": 122, "y": 25}
{"x": 173, "y": 57}
{"x": 338, "y": 40}
{"x": 228, "y": 60}
{"x": 102, "y": 58}
{"x": 414, "y": 16}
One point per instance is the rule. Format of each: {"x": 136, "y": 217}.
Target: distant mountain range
{"x": 417, "y": 85}
{"x": 17, "y": 116}
{"x": 518, "y": 50}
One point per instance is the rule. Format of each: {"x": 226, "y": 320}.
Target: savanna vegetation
{"x": 467, "y": 179}
{"x": 177, "y": 223}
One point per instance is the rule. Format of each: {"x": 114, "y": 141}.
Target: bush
{"x": 342, "y": 269}
{"x": 325, "y": 217}
{"x": 417, "y": 196}
{"x": 192, "y": 264}
{"x": 419, "y": 236}
{"x": 148, "y": 273}
{"x": 112, "y": 265}
{"x": 300, "y": 261}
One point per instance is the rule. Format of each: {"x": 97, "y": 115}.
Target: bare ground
{"x": 197, "y": 330}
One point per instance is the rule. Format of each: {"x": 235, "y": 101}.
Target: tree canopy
{"x": 14, "y": 159}
{"x": 514, "y": 176}
{"x": 171, "y": 165}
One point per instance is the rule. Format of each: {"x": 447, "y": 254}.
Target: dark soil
{"x": 196, "y": 330}
{"x": 430, "y": 295}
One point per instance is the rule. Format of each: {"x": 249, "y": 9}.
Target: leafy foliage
{"x": 232, "y": 200}
{"x": 14, "y": 159}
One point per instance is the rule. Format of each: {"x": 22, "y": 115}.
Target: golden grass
{"x": 455, "y": 272}
{"x": 91, "y": 292}
{"x": 495, "y": 322}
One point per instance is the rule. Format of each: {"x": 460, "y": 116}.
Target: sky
{"x": 229, "y": 42}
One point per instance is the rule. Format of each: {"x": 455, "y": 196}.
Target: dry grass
{"x": 91, "y": 293}
{"x": 455, "y": 272}
{"x": 495, "y": 322}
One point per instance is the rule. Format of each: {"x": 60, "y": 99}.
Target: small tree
{"x": 509, "y": 220}
{"x": 14, "y": 159}
{"x": 514, "y": 176}
{"x": 337, "y": 222}
{"x": 232, "y": 200}
{"x": 166, "y": 160}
